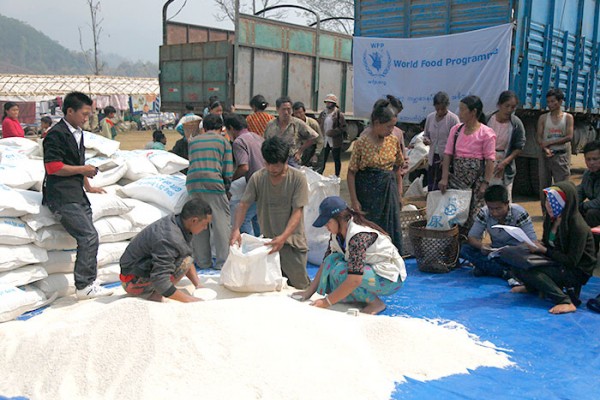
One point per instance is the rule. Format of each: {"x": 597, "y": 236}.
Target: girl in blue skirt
{"x": 361, "y": 263}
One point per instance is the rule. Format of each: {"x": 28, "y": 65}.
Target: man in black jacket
{"x": 66, "y": 177}
{"x": 161, "y": 254}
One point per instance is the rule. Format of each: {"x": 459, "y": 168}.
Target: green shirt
{"x": 211, "y": 164}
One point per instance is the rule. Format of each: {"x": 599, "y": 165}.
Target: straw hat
{"x": 331, "y": 98}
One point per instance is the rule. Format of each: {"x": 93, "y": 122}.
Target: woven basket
{"x": 419, "y": 202}
{"x": 406, "y": 218}
{"x": 435, "y": 251}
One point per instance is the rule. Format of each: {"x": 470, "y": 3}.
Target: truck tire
{"x": 353, "y": 130}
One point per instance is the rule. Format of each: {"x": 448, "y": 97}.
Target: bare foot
{"x": 155, "y": 297}
{"x": 563, "y": 309}
{"x": 519, "y": 289}
{"x": 374, "y": 307}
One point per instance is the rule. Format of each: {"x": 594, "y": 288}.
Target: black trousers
{"x": 337, "y": 159}
{"x": 551, "y": 280}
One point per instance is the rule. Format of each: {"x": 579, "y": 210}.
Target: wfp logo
{"x": 377, "y": 61}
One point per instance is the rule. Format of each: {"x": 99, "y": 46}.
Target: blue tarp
{"x": 556, "y": 356}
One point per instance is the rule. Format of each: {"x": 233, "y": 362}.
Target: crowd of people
{"x": 261, "y": 153}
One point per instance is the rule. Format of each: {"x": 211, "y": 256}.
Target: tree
{"x": 227, "y": 8}
{"x": 96, "y": 27}
{"x": 329, "y": 9}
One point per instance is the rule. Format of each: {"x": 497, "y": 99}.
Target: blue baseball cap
{"x": 329, "y": 208}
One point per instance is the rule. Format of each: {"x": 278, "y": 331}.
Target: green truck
{"x": 261, "y": 56}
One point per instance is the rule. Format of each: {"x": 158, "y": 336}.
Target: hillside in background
{"x": 24, "y": 50}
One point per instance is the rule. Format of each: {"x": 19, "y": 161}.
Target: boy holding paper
{"x": 497, "y": 211}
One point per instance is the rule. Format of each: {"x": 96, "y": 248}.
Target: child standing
{"x": 107, "y": 125}
{"x": 45, "y": 124}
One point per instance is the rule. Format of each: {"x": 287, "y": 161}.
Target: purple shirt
{"x": 246, "y": 151}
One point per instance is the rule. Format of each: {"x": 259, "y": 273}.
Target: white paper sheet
{"x": 517, "y": 233}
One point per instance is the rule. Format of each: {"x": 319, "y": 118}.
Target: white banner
{"x": 414, "y": 70}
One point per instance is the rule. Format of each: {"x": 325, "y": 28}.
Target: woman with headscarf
{"x": 471, "y": 151}
{"x": 567, "y": 240}
{"x": 361, "y": 263}
{"x": 374, "y": 172}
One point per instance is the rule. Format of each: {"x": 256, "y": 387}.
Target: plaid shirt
{"x": 517, "y": 216}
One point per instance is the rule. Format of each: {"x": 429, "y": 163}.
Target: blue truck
{"x": 555, "y": 44}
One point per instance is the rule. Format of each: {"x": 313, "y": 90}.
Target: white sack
{"x": 112, "y": 189}
{"x": 103, "y": 145}
{"x": 448, "y": 209}
{"x": 105, "y": 205}
{"x": 55, "y": 237}
{"x": 143, "y": 214}
{"x": 319, "y": 187}
{"x": 418, "y": 156}
{"x": 27, "y": 147}
{"x": 18, "y": 202}
{"x": 109, "y": 177}
{"x": 164, "y": 190}
{"x": 90, "y": 153}
{"x": 12, "y": 257}
{"x": 166, "y": 162}
{"x": 15, "y": 302}
{"x": 109, "y": 274}
{"x": 38, "y": 221}
{"x": 23, "y": 275}
{"x": 7, "y": 156}
{"x": 32, "y": 167}
{"x": 104, "y": 163}
{"x": 110, "y": 253}
{"x": 13, "y": 231}
{"x": 16, "y": 177}
{"x": 416, "y": 188}
{"x": 60, "y": 261}
{"x": 114, "y": 229}
{"x": 40, "y": 297}
{"x": 250, "y": 268}
{"x": 138, "y": 165}
{"x": 237, "y": 189}
{"x": 60, "y": 284}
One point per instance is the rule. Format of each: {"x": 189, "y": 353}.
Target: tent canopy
{"x": 45, "y": 87}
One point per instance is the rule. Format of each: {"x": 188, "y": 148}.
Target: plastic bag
{"x": 319, "y": 187}
{"x": 416, "y": 188}
{"x": 448, "y": 209}
{"x": 250, "y": 268}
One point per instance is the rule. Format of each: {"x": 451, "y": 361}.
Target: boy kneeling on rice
{"x": 161, "y": 254}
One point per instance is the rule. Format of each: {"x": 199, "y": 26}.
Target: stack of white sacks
{"x": 37, "y": 255}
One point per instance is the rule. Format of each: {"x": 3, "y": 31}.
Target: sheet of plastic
{"x": 557, "y": 356}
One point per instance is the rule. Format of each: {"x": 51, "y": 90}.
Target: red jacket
{"x": 12, "y": 128}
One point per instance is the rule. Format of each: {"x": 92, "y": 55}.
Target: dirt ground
{"x": 132, "y": 140}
